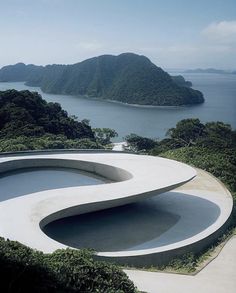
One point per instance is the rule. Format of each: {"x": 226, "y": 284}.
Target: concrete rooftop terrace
{"x": 135, "y": 178}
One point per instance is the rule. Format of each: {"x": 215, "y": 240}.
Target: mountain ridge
{"x": 209, "y": 70}
{"x": 127, "y": 78}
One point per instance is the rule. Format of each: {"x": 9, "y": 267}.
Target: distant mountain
{"x": 20, "y": 72}
{"x": 208, "y": 70}
{"x": 128, "y": 78}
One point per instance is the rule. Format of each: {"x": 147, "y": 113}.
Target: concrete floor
{"x": 219, "y": 276}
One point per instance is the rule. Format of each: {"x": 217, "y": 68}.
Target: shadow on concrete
{"x": 162, "y": 220}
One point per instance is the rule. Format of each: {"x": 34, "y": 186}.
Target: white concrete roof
{"x": 139, "y": 177}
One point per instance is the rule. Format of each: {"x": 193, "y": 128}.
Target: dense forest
{"x": 28, "y": 122}
{"x": 26, "y": 113}
{"x": 128, "y": 78}
{"x": 25, "y": 270}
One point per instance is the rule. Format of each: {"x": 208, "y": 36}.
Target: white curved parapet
{"x": 136, "y": 177}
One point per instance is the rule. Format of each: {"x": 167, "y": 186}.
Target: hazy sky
{"x": 172, "y": 33}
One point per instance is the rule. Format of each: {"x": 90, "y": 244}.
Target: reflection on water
{"x": 26, "y": 181}
{"x": 163, "y": 220}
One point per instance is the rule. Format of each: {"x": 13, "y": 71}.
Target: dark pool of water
{"x": 26, "y": 181}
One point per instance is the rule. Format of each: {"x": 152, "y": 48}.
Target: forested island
{"x": 127, "y": 78}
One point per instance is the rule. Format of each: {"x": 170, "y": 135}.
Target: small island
{"x": 127, "y": 78}
{"x": 208, "y": 70}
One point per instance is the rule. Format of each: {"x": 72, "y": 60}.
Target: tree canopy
{"x": 25, "y": 270}
{"x": 104, "y": 135}
{"x": 27, "y": 122}
{"x": 26, "y": 113}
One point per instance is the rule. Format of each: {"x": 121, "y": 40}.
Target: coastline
{"x": 134, "y": 105}
{"x": 109, "y": 100}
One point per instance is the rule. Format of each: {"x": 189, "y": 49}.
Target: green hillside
{"x": 128, "y": 78}
{"x": 26, "y": 113}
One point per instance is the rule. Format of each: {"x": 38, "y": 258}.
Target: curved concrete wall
{"x": 103, "y": 170}
{"x": 160, "y": 258}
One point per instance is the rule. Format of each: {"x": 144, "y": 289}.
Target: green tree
{"x": 139, "y": 143}
{"x": 187, "y": 131}
{"x": 104, "y": 135}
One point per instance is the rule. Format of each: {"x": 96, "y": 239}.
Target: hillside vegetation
{"x": 128, "y": 78}
{"x": 26, "y": 113}
{"x": 25, "y": 270}
{"x": 27, "y": 122}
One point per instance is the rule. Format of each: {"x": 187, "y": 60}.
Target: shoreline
{"x": 111, "y": 101}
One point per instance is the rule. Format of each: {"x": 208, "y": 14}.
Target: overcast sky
{"x": 172, "y": 33}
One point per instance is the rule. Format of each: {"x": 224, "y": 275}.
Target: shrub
{"x": 25, "y": 270}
